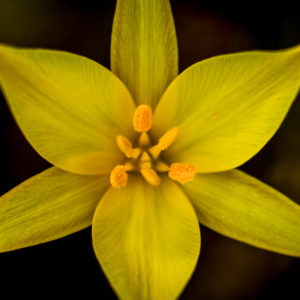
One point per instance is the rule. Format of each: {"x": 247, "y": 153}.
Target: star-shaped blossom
{"x": 143, "y": 154}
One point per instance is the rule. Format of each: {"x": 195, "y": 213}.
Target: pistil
{"x": 145, "y": 161}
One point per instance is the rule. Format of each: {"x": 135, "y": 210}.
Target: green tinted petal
{"x": 144, "y": 48}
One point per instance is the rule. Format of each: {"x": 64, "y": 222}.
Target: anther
{"x": 182, "y": 172}
{"x": 145, "y": 161}
{"x": 118, "y": 176}
{"x": 142, "y": 118}
{"x": 150, "y": 176}
{"x": 168, "y": 138}
{"x": 164, "y": 142}
{"x": 124, "y": 145}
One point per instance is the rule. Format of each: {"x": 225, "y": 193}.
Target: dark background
{"x": 227, "y": 269}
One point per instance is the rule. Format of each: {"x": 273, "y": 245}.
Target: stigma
{"x": 145, "y": 157}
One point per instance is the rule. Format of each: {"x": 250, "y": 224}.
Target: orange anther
{"x": 168, "y": 138}
{"x": 182, "y": 172}
{"x": 124, "y": 145}
{"x": 142, "y": 118}
{"x": 118, "y": 176}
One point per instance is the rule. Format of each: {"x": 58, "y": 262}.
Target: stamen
{"x": 124, "y": 145}
{"x": 168, "y": 138}
{"x": 146, "y": 158}
{"x": 150, "y": 176}
{"x": 144, "y": 140}
{"x": 145, "y": 161}
{"x": 155, "y": 151}
{"x": 161, "y": 166}
{"x": 136, "y": 152}
{"x": 129, "y": 166}
{"x": 118, "y": 176}
{"x": 164, "y": 142}
{"x": 182, "y": 172}
{"x": 142, "y": 118}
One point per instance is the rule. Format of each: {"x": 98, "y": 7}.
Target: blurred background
{"x": 227, "y": 269}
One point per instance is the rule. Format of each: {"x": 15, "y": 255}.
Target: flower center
{"x": 145, "y": 157}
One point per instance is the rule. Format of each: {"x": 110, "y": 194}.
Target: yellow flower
{"x": 144, "y": 155}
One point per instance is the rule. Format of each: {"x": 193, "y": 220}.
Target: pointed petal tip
{"x": 48, "y": 206}
{"x": 241, "y": 207}
{"x": 144, "y": 48}
{"x": 242, "y": 99}
{"x": 57, "y": 100}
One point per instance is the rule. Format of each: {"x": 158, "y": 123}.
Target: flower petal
{"x": 48, "y": 206}
{"x": 146, "y": 239}
{"x": 144, "y": 48}
{"x": 228, "y": 107}
{"x": 68, "y": 107}
{"x": 243, "y": 208}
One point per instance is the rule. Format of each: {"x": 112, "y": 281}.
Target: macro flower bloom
{"x": 144, "y": 154}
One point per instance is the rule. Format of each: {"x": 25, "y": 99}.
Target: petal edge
{"x": 243, "y": 208}
{"x": 68, "y": 107}
{"x": 146, "y": 239}
{"x": 228, "y": 107}
{"x": 144, "y": 48}
{"x": 48, "y": 206}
